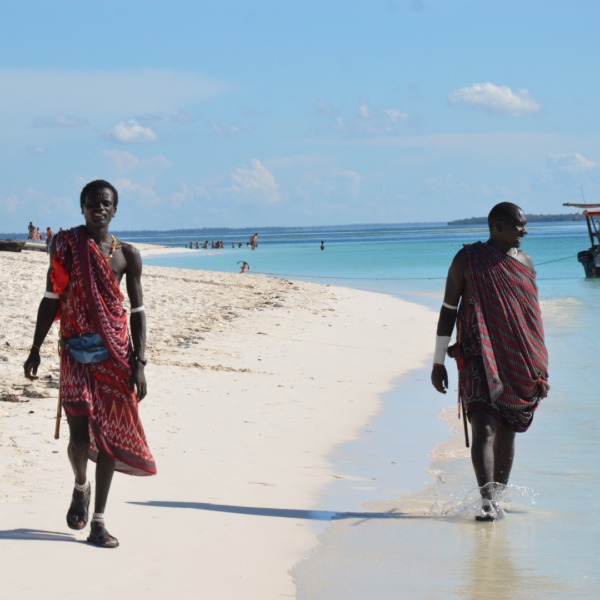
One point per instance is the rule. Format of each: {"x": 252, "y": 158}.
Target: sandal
{"x": 100, "y": 537}
{"x": 78, "y": 514}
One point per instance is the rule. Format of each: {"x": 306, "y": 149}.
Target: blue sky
{"x": 208, "y": 114}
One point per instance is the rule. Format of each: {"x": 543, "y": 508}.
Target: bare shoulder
{"x": 132, "y": 256}
{"x": 129, "y": 251}
{"x": 460, "y": 260}
{"x": 526, "y": 260}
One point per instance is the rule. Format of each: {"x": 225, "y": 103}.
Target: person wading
{"x": 102, "y": 366}
{"x": 506, "y": 372}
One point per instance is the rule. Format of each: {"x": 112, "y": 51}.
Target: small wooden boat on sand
{"x": 12, "y": 245}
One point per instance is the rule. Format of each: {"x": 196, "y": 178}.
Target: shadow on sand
{"x": 35, "y": 535}
{"x": 285, "y": 513}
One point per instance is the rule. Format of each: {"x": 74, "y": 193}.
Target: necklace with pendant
{"x": 112, "y": 248}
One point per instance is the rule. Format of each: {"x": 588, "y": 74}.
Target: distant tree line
{"x": 530, "y": 219}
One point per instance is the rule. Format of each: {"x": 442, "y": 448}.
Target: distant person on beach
{"x": 233, "y": 245}
{"x": 504, "y": 371}
{"x": 322, "y": 245}
{"x": 240, "y": 245}
{"x": 254, "y": 241}
{"x": 49, "y": 236}
{"x": 101, "y": 365}
{"x": 197, "y": 245}
{"x": 30, "y": 229}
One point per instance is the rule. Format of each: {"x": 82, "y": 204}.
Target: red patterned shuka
{"x": 503, "y": 339}
{"x": 99, "y": 390}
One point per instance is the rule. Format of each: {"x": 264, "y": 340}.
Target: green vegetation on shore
{"x": 530, "y": 219}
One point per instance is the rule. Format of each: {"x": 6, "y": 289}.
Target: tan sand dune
{"x": 252, "y": 382}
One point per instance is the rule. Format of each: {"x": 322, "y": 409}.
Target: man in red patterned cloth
{"x": 505, "y": 372}
{"x": 102, "y": 366}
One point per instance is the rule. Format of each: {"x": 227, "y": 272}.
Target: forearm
{"x": 446, "y": 321}
{"x": 137, "y": 324}
{"x": 45, "y": 317}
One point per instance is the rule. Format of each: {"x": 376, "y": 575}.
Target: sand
{"x": 252, "y": 383}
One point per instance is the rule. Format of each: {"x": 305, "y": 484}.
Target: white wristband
{"x": 441, "y": 347}
{"x": 51, "y": 296}
{"x": 138, "y": 309}
{"x": 449, "y": 306}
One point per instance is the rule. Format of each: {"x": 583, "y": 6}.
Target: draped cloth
{"x": 99, "y": 390}
{"x": 503, "y": 339}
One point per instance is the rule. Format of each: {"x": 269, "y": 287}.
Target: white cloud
{"x": 253, "y": 183}
{"x": 495, "y": 99}
{"x": 228, "y": 129}
{"x": 446, "y": 186}
{"x": 125, "y": 162}
{"x": 36, "y": 150}
{"x": 572, "y": 163}
{"x": 566, "y": 171}
{"x": 131, "y": 132}
{"x": 323, "y": 107}
{"x": 367, "y": 121}
{"x": 339, "y": 182}
{"x": 142, "y": 192}
{"x": 252, "y": 112}
{"x": 128, "y": 92}
{"x": 10, "y": 204}
{"x": 182, "y": 117}
{"x": 64, "y": 121}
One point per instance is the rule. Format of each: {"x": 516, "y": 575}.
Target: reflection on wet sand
{"x": 496, "y": 570}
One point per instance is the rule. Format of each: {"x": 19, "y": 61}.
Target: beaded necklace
{"x": 112, "y": 248}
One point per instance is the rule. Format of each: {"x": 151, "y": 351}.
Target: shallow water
{"x": 549, "y": 543}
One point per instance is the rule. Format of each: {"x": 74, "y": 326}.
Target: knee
{"x": 483, "y": 433}
{"x": 79, "y": 444}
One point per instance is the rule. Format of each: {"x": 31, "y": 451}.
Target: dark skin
{"x": 493, "y": 447}
{"x": 98, "y": 210}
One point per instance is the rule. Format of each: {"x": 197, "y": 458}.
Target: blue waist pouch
{"x": 88, "y": 348}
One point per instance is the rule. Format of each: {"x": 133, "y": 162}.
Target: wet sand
{"x": 252, "y": 384}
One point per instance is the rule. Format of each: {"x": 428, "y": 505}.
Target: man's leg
{"x": 504, "y": 452}
{"x": 78, "y": 447}
{"x": 105, "y": 469}
{"x": 79, "y": 441}
{"x": 484, "y": 427}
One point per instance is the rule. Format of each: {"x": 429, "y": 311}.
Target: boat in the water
{"x": 590, "y": 259}
{"x": 12, "y": 245}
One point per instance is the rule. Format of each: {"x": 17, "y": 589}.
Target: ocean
{"x": 406, "y": 530}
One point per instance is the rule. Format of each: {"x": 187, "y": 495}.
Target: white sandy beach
{"x": 252, "y": 382}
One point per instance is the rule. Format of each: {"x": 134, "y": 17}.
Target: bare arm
{"x": 45, "y": 317}
{"x": 455, "y": 290}
{"x": 137, "y": 320}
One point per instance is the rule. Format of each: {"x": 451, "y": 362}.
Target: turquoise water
{"x": 549, "y": 545}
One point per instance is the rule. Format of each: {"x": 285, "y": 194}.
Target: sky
{"x": 294, "y": 113}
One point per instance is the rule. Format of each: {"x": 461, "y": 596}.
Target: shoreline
{"x": 274, "y": 374}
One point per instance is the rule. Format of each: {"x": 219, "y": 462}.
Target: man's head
{"x": 99, "y": 201}
{"x": 507, "y": 223}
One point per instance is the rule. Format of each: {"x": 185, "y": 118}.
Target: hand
{"x": 137, "y": 381}
{"x": 31, "y": 364}
{"x": 439, "y": 378}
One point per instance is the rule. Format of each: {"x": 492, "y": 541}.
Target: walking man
{"x": 102, "y": 366}
{"x": 506, "y": 373}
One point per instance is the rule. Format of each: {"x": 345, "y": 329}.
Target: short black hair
{"x": 98, "y": 184}
{"x": 505, "y": 211}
